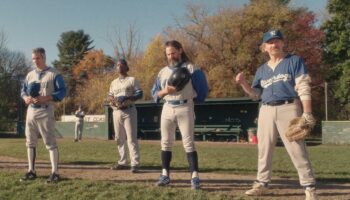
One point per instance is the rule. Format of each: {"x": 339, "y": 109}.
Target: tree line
{"x": 222, "y": 43}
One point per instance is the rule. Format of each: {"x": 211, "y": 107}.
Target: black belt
{"x": 39, "y": 106}
{"x": 279, "y": 102}
{"x": 177, "y": 102}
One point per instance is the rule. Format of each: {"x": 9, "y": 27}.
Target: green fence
{"x": 90, "y": 130}
{"x": 336, "y": 132}
{"x": 214, "y": 112}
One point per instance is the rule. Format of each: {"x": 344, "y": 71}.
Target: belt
{"x": 177, "y": 102}
{"x": 39, "y": 106}
{"x": 125, "y": 107}
{"x": 279, "y": 102}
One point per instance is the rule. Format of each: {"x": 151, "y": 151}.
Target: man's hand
{"x": 240, "y": 78}
{"x": 42, "y": 99}
{"x": 170, "y": 89}
{"x": 167, "y": 90}
{"x": 28, "y": 99}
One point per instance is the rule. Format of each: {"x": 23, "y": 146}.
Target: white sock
{"x": 194, "y": 174}
{"x": 54, "y": 160}
{"x": 165, "y": 172}
{"x": 31, "y": 159}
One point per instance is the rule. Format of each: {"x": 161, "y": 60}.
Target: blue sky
{"x": 33, "y": 23}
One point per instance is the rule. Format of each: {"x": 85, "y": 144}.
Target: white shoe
{"x": 257, "y": 190}
{"x": 310, "y": 193}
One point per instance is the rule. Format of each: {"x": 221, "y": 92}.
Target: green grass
{"x": 328, "y": 161}
{"x": 330, "y": 164}
{"x": 11, "y": 188}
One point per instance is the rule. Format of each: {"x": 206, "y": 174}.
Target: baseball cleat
{"x": 257, "y": 190}
{"x": 163, "y": 181}
{"x": 53, "y": 178}
{"x": 195, "y": 183}
{"x": 310, "y": 193}
{"x": 29, "y": 176}
{"x": 134, "y": 169}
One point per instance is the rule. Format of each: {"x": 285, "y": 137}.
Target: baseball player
{"x": 283, "y": 85}
{"x": 123, "y": 91}
{"x": 79, "y": 124}
{"x": 42, "y": 87}
{"x": 178, "y": 109}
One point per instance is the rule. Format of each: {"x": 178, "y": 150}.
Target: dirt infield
{"x": 235, "y": 185}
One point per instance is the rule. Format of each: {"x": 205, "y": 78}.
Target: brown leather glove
{"x": 300, "y": 127}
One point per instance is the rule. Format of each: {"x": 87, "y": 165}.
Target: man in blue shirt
{"x": 283, "y": 85}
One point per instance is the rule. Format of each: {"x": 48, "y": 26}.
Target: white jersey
{"x": 188, "y": 93}
{"x": 124, "y": 86}
{"x": 79, "y": 114}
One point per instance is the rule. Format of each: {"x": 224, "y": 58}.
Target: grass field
{"x": 330, "y": 163}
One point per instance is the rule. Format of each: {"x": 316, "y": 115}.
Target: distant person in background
{"x": 79, "y": 124}
{"x": 42, "y": 87}
{"x": 283, "y": 85}
{"x": 123, "y": 92}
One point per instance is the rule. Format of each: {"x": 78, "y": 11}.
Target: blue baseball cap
{"x": 273, "y": 34}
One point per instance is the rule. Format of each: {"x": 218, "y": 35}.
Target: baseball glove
{"x": 33, "y": 89}
{"x": 300, "y": 127}
{"x": 121, "y": 102}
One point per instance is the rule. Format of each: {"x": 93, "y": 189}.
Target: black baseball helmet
{"x": 179, "y": 78}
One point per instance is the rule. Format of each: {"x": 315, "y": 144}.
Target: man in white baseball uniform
{"x": 79, "y": 124}
{"x": 42, "y": 87}
{"x": 123, "y": 92}
{"x": 178, "y": 109}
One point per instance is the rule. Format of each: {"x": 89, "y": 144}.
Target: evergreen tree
{"x": 72, "y": 47}
{"x": 337, "y": 54}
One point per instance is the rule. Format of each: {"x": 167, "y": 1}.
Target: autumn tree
{"x": 152, "y": 61}
{"x": 228, "y": 41}
{"x": 95, "y": 62}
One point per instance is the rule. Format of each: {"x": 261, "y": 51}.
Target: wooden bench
{"x": 218, "y": 130}
{"x": 147, "y": 129}
{"x": 221, "y": 130}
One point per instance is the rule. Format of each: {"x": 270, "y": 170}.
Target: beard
{"x": 173, "y": 62}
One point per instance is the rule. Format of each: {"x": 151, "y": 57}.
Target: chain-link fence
{"x": 11, "y": 105}
{"x": 337, "y": 101}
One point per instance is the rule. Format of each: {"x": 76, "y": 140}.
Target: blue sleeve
{"x": 300, "y": 68}
{"x": 60, "y": 88}
{"x": 155, "y": 89}
{"x": 200, "y": 85}
{"x": 24, "y": 89}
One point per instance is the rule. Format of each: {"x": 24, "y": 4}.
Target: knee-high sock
{"x": 31, "y": 152}
{"x": 54, "y": 160}
{"x": 192, "y": 158}
{"x": 166, "y": 159}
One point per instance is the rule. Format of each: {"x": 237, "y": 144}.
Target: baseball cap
{"x": 272, "y": 34}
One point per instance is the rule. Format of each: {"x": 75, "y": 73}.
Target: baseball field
{"x": 226, "y": 170}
